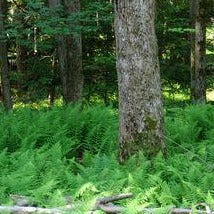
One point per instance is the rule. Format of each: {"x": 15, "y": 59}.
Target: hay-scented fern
{"x": 48, "y": 155}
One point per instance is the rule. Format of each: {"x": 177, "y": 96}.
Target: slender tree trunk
{"x": 74, "y": 57}
{"x": 140, "y": 103}
{"x": 21, "y": 52}
{"x": 198, "y": 51}
{"x": 70, "y": 55}
{"x": 4, "y": 61}
{"x": 53, "y": 87}
{"x": 21, "y": 55}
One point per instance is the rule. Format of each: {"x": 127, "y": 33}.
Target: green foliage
{"x": 101, "y": 80}
{"x": 48, "y": 154}
{"x": 34, "y": 26}
{"x": 173, "y": 30}
{"x": 210, "y": 56}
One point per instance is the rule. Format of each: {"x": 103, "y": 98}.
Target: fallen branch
{"x": 109, "y": 208}
{"x": 107, "y": 200}
{"x": 20, "y": 209}
{"x": 104, "y": 204}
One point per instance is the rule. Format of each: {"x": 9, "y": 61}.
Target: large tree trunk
{"x": 140, "y": 103}
{"x": 198, "y": 51}
{"x": 70, "y": 55}
{"x": 4, "y": 61}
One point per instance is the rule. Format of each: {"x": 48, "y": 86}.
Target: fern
{"x": 47, "y": 154}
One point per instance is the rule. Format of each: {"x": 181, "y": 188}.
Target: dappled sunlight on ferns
{"x": 73, "y": 151}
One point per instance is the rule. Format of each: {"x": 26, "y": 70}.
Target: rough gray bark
{"x": 70, "y": 55}
{"x": 198, "y": 51}
{"x": 4, "y": 61}
{"x": 140, "y": 103}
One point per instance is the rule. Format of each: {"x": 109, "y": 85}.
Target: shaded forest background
{"x": 32, "y": 27}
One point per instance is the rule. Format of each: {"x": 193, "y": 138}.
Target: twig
{"x": 177, "y": 211}
{"x": 107, "y": 200}
{"x": 20, "y": 209}
{"x": 109, "y": 208}
{"x": 110, "y": 199}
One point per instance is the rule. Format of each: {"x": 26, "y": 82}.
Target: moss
{"x": 145, "y": 141}
{"x": 150, "y": 123}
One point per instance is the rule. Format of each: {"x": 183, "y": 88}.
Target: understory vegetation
{"x": 48, "y": 154}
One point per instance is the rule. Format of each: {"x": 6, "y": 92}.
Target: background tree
{"x": 5, "y": 81}
{"x": 140, "y": 104}
{"x": 70, "y": 54}
{"x": 21, "y": 52}
{"x": 198, "y": 51}
{"x": 99, "y": 52}
{"x": 32, "y": 28}
{"x": 172, "y": 28}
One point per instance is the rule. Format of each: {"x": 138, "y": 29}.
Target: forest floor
{"x": 51, "y": 153}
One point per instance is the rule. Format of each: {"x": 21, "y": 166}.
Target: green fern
{"x": 46, "y": 154}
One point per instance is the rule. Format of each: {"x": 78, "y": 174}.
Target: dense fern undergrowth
{"x": 51, "y": 153}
